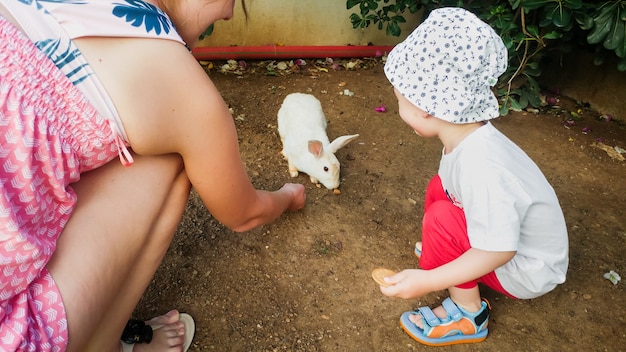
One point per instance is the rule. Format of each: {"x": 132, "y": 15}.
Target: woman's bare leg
{"x": 147, "y": 260}
{"x": 115, "y": 240}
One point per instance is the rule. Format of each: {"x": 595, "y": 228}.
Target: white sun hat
{"x": 448, "y": 65}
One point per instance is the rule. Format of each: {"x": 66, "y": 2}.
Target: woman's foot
{"x": 168, "y": 334}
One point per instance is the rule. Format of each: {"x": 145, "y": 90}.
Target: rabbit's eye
{"x": 325, "y": 168}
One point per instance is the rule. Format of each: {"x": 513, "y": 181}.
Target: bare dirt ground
{"x": 303, "y": 283}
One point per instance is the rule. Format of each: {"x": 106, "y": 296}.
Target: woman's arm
{"x": 171, "y": 106}
{"x": 205, "y": 136}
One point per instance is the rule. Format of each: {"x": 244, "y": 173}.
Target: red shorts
{"x": 444, "y": 235}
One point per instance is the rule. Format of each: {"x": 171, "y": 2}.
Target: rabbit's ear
{"x": 316, "y": 147}
{"x": 340, "y": 142}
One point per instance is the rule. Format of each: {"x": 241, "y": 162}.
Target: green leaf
{"x": 545, "y": 21}
{"x": 372, "y": 17}
{"x": 585, "y": 22}
{"x": 533, "y": 97}
{"x": 599, "y": 32}
{"x": 615, "y": 37}
{"x": 552, "y": 35}
{"x": 508, "y": 42}
{"x": 523, "y": 100}
{"x": 561, "y": 17}
{"x": 367, "y": 5}
{"x": 393, "y": 29}
{"x": 573, "y": 4}
{"x": 371, "y": 5}
{"x": 398, "y": 19}
{"x": 621, "y": 65}
{"x": 515, "y": 105}
{"x": 533, "y": 86}
{"x": 602, "y": 23}
{"x": 504, "y": 109}
{"x": 356, "y": 21}
{"x": 532, "y": 69}
{"x": 533, "y": 4}
{"x": 414, "y": 6}
{"x": 207, "y": 32}
{"x": 352, "y": 3}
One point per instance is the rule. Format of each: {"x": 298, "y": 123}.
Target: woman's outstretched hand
{"x": 298, "y": 195}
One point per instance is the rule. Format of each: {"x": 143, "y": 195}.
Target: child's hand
{"x": 407, "y": 284}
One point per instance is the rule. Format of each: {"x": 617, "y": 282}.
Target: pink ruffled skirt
{"x": 49, "y": 135}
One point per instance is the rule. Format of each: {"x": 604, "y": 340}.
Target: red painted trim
{"x": 288, "y": 52}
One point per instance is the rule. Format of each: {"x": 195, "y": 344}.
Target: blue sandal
{"x": 460, "y": 326}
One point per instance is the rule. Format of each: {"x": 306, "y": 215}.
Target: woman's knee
{"x": 173, "y": 208}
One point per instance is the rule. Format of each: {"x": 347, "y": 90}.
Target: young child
{"x": 490, "y": 215}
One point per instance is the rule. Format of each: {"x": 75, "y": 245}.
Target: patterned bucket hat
{"x": 448, "y": 65}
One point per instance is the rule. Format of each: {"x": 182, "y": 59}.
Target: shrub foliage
{"x": 529, "y": 29}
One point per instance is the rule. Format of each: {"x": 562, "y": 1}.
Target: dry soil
{"x": 303, "y": 283}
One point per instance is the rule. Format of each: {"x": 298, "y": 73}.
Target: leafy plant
{"x": 528, "y": 28}
{"x": 609, "y": 27}
{"x": 207, "y": 32}
{"x": 391, "y": 14}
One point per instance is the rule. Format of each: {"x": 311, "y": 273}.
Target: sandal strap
{"x": 482, "y": 315}
{"x": 428, "y": 316}
{"x": 136, "y": 331}
{"x": 455, "y": 313}
{"x": 452, "y": 309}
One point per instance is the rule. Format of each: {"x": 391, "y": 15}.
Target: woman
{"x": 144, "y": 90}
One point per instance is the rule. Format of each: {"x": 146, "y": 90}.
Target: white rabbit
{"x": 302, "y": 129}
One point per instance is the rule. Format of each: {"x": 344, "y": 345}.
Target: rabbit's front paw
{"x": 293, "y": 172}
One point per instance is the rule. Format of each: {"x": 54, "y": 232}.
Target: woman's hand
{"x": 298, "y": 196}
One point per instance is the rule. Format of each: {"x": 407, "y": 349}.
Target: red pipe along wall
{"x": 288, "y": 52}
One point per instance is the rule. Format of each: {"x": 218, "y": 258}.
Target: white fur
{"x": 302, "y": 129}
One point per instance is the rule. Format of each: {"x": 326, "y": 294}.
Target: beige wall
{"x": 299, "y": 22}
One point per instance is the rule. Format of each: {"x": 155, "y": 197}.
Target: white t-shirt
{"x": 509, "y": 206}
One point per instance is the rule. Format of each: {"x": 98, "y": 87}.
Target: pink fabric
{"x": 444, "y": 235}
{"x": 49, "y": 134}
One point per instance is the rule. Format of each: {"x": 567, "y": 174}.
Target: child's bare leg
{"x": 466, "y": 298}
{"x": 121, "y": 228}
